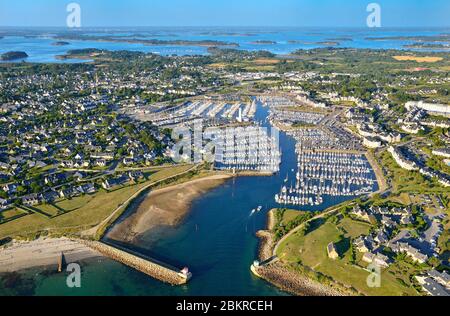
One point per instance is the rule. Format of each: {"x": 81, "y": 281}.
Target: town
{"x": 77, "y": 135}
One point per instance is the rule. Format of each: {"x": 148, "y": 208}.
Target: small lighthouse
{"x": 185, "y": 273}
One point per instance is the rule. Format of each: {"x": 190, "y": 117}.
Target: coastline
{"x": 280, "y": 275}
{"x": 42, "y": 252}
{"x": 45, "y": 252}
{"x": 382, "y": 183}
{"x": 266, "y": 240}
{"x": 163, "y": 207}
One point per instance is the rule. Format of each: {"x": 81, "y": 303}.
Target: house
{"x": 440, "y": 277}
{"x": 401, "y": 160}
{"x": 10, "y": 188}
{"x": 381, "y": 237}
{"x": 88, "y": 188}
{"x": 127, "y": 161}
{"x": 135, "y": 175}
{"x": 49, "y": 196}
{"x": 378, "y": 259}
{"x": 361, "y": 245}
{"x": 372, "y": 142}
{"x": 431, "y": 287}
{"x": 55, "y": 178}
{"x": 332, "y": 252}
{"x": 414, "y": 253}
{"x": 109, "y": 183}
{"x": 361, "y": 214}
{"x": 81, "y": 164}
{"x": 442, "y": 152}
{"x": 100, "y": 163}
{"x": 382, "y": 260}
{"x": 104, "y": 156}
{"x": 31, "y": 199}
{"x": 69, "y": 192}
{"x": 387, "y": 221}
{"x": 4, "y": 203}
{"x": 79, "y": 175}
{"x": 406, "y": 220}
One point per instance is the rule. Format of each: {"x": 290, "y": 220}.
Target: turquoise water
{"x": 40, "y": 49}
{"x": 216, "y": 241}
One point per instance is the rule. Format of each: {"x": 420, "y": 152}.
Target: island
{"x": 8, "y": 56}
{"x": 148, "y": 42}
{"x": 60, "y": 43}
{"x": 341, "y": 39}
{"x": 329, "y": 43}
{"x": 263, "y": 42}
{"x": 427, "y": 46}
{"x": 422, "y": 38}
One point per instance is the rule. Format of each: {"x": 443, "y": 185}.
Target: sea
{"x": 41, "y": 49}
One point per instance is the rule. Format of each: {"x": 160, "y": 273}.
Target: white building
{"x": 433, "y": 108}
{"x": 442, "y": 152}
{"x": 401, "y": 160}
{"x": 372, "y": 142}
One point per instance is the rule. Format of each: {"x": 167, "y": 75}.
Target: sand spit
{"x": 163, "y": 207}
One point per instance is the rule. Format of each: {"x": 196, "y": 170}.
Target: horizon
{"x": 221, "y": 13}
{"x": 225, "y": 26}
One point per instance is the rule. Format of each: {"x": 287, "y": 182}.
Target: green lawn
{"x": 354, "y": 228}
{"x": 310, "y": 250}
{"x": 10, "y": 214}
{"x": 290, "y": 215}
{"x": 81, "y": 212}
{"x": 409, "y": 181}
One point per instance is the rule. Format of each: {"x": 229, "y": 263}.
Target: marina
{"x": 329, "y": 163}
{"x": 235, "y": 211}
{"x": 327, "y": 173}
{"x": 296, "y": 117}
{"x": 213, "y": 111}
{"x": 247, "y": 149}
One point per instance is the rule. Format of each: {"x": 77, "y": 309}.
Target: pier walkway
{"x": 157, "y": 270}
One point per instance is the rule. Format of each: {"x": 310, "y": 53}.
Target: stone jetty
{"x": 152, "y": 268}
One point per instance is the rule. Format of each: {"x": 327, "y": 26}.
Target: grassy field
{"x": 354, "y": 228}
{"x": 425, "y": 59}
{"x": 289, "y": 215}
{"x": 10, "y": 214}
{"x": 409, "y": 181}
{"x": 81, "y": 212}
{"x": 259, "y": 64}
{"x": 310, "y": 250}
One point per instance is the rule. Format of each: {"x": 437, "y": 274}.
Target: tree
{"x": 21, "y": 189}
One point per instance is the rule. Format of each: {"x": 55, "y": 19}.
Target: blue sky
{"x": 329, "y": 13}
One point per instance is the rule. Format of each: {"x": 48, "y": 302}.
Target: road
{"x": 296, "y": 229}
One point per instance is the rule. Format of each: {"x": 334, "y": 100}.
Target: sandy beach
{"x": 42, "y": 252}
{"x": 163, "y": 207}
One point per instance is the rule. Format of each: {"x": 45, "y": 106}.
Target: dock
{"x": 60, "y": 262}
{"x": 152, "y": 268}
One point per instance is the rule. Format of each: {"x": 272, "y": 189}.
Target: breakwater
{"x": 157, "y": 270}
